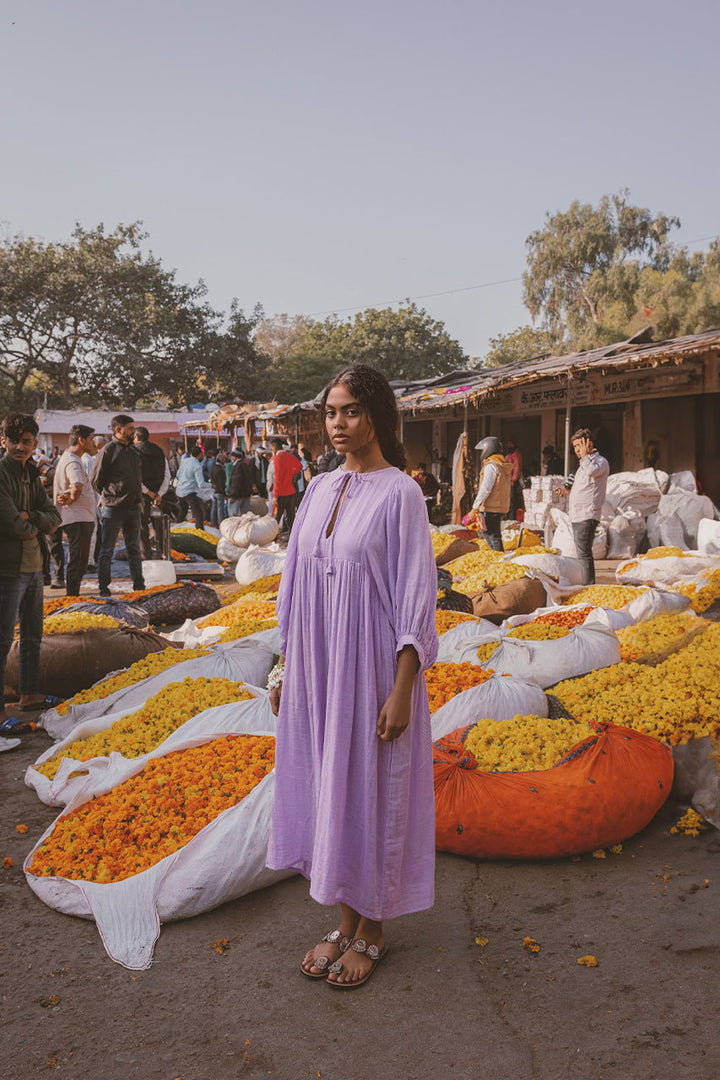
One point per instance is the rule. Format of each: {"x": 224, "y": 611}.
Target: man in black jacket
{"x": 243, "y": 483}
{"x": 27, "y": 515}
{"x": 155, "y": 473}
{"x": 218, "y": 481}
{"x": 117, "y": 477}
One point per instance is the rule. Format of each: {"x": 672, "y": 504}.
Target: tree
{"x": 522, "y": 344}
{"x": 279, "y": 336}
{"x": 582, "y": 257}
{"x": 403, "y": 344}
{"x": 96, "y": 319}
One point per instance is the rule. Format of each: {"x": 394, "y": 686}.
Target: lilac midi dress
{"x": 354, "y": 814}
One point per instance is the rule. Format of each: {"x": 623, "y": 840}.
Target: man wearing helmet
{"x": 494, "y": 487}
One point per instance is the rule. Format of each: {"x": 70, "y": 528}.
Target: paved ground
{"x": 439, "y": 1006}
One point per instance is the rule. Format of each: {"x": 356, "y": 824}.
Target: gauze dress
{"x": 354, "y": 814}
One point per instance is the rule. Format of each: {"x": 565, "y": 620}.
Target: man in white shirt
{"x": 587, "y": 496}
{"x": 75, "y": 499}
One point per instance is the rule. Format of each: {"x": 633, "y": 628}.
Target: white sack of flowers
{"x": 677, "y": 519}
{"x": 709, "y": 537}
{"x": 641, "y": 490}
{"x": 667, "y": 571}
{"x": 227, "y": 551}
{"x": 259, "y": 562}
{"x": 457, "y": 645}
{"x": 225, "y": 860}
{"x": 584, "y": 649}
{"x": 497, "y": 699}
{"x": 245, "y": 660}
{"x": 250, "y": 530}
{"x": 73, "y": 775}
{"x": 566, "y": 571}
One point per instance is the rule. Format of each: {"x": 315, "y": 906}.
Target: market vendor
{"x": 494, "y": 489}
{"x": 587, "y": 495}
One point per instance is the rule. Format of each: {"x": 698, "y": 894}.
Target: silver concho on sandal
{"x": 335, "y": 937}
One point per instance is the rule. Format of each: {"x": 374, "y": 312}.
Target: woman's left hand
{"x": 394, "y": 716}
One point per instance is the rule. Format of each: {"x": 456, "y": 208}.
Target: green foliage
{"x": 95, "y": 319}
{"x": 521, "y": 344}
{"x": 579, "y": 266}
{"x": 407, "y": 343}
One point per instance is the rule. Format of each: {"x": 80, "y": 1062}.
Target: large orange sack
{"x": 608, "y": 788}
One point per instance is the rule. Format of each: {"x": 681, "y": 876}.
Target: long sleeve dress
{"x": 355, "y": 814}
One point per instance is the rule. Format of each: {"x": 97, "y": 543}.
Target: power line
{"x": 464, "y": 288}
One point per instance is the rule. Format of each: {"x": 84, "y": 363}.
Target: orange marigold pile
{"x": 59, "y": 602}
{"x": 155, "y": 813}
{"x": 140, "y": 593}
{"x": 448, "y": 620}
{"x": 446, "y": 681}
{"x": 569, "y": 619}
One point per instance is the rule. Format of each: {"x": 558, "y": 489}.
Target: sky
{"x": 324, "y": 157}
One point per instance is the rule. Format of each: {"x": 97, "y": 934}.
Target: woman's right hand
{"x": 275, "y": 699}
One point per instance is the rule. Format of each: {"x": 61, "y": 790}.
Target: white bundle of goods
{"x": 563, "y": 539}
{"x": 227, "y": 551}
{"x": 640, "y": 490}
{"x": 709, "y": 537}
{"x": 625, "y": 531}
{"x": 259, "y": 562}
{"x": 677, "y": 519}
{"x": 250, "y": 529}
{"x": 499, "y": 698}
{"x": 225, "y": 860}
{"x": 246, "y": 660}
{"x": 671, "y": 570}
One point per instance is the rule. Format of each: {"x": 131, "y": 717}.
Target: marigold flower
{"x": 690, "y": 824}
{"x": 77, "y": 622}
{"x": 531, "y": 945}
{"x": 446, "y": 681}
{"x": 21, "y": 828}
{"x": 141, "y": 731}
{"x": 608, "y": 596}
{"x": 658, "y": 635}
{"x": 246, "y": 627}
{"x": 248, "y": 607}
{"x": 448, "y": 620}
{"x": 264, "y": 588}
{"x": 154, "y": 814}
{"x": 588, "y": 961}
{"x": 485, "y": 567}
{"x": 214, "y": 540}
{"x": 141, "y": 669}
{"x": 523, "y": 744}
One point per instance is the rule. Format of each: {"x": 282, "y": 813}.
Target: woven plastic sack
{"x": 189, "y": 544}
{"x": 73, "y": 775}
{"x": 189, "y": 600}
{"x": 244, "y": 661}
{"x": 609, "y": 788}
{"x": 223, "y": 861}
{"x": 260, "y": 562}
{"x": 124, "y": 613}
{"x": 227, "y": 552}
{"x": 668, "y": 571}
{"x": 72, "y": 662}
{"x": 250, "y": 529}
{"x": 499, "y": 698}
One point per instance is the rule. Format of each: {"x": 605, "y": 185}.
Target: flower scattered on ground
{"x": 588, "y": 961}
{"x": 154, "y": 814}
{"x": 142, "y": 730}
{"x": 531, "y": 945}
{"x": 690, "y": 824}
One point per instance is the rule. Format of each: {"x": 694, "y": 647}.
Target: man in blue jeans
{"x": 587, "y": 496}
{"x": 117, "y": 478}
{"x": 27, "y": 515}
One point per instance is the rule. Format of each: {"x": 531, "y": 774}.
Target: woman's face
{"x": 348, "y": 425}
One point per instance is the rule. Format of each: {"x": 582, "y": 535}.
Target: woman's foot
{"x": 317, "y": 961}
{"x": 358, "y": 961}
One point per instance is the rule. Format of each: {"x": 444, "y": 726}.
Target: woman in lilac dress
{"x": 354, "y": 806}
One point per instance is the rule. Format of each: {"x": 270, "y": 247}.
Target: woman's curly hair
{"x": 373, "y": 392}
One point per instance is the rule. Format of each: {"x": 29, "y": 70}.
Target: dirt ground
{"x": 440, "y": 1005}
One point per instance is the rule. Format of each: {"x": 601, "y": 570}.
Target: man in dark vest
{"x": 117, "y": 478}
{"x": 155, "y": 482}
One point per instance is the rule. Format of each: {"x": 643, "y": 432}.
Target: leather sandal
{"x": 359, "y": 945}
{"x": 335, "y": 937}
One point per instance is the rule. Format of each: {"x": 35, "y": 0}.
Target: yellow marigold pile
{"x": 265, "y": 588}
{"x": 664, "y": 632}
{"x": 608, "y": 596}
{"x": 246, "y": 627}
{"x": 446, "y": 681}
{"x": 471, "y": 572}
{"x": 141, "y": 669}
{"x": 143, "y": 730}
{"x": 523, "y": 744}
{"x": 60, "y": 602}
{"x": 447, "y": 620}
{"x": 536, "y": 549}
{"x": 239, "y": 612}
{"x": 441, "y": 542}
{"x": 665, "y": 552}
{"x": 702, "y": 596}
{"x": 530, "y": 541}
{"x": 214, "y": 540}
{"x": 675, "y": 701}
{"x": 155, "y": 813}
{"x": 485, "y": 651}
{"x": 690, "y": 824}
{"x": 74, "y": 622}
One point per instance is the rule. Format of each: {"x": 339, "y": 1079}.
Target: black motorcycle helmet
{"x": 489, "y": 446}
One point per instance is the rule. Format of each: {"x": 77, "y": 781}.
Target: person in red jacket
{"x": 285, "y": 467}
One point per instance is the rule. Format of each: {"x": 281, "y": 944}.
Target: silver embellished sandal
{"x": 335, "y": 937}
{"x": 359, "y": 945}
